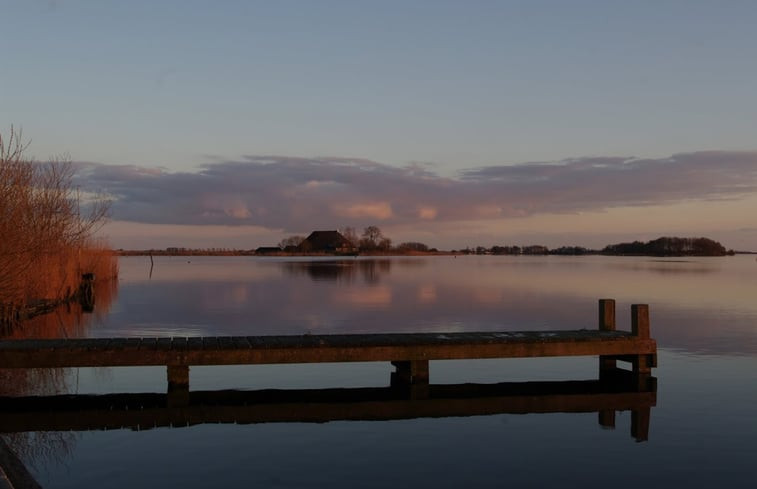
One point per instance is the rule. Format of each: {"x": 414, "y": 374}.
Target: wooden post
{"x": 640, "y": 320}
{"x": 607, "y": 314}
{"x": 607, "y": 419}
{"x": 642, "y": 364}
{"x": 178, "y": 386}
{"x": 178, "y": 377}
{"x": 87, "y": 292}
{"x": 606, "y": 323}
{"x": 640, "y": 423}
{"x": 410, "y": 372}
{"x": 411, "y": 378}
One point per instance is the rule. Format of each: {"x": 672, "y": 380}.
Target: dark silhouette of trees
{"x": 373, "y": 240}
{"x": 350, "y": 235}
{"x": 505, "y": 250}
{"x": 669, "y": 246}
{"x": 291, "y": 242}
{"x": 571, "y": 250}
{"x": 412, "y": 246}
{"x": 535, "y": 250}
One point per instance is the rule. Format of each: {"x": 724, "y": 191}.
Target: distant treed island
{"x": 48, "y": 252}
{"x": 372, "y": 241}
{"x": 670, "y": 247}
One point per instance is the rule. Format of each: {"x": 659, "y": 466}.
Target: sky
{"x": 234, "y": 124}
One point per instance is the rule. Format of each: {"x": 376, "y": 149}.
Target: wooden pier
{"x": 409, "y": 353}
{"x": 410, "y": 394}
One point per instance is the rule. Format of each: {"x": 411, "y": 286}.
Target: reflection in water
{"x": 700, "y": 312}
{"x": 670, "y": 267}
{"x": 426, "y": 294}
{"x": 379, "y": 296}
{"x": 340, "y": 270}
{"x": 700, "y": 306}
{"x": 68, "y": 320}
{"x": 146, "y": 411}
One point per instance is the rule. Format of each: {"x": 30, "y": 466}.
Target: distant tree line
{"x": 669, "y": 246}
{"x": 180, "y": 251}
{"x": 527, "y": 250}
{"x": 665, "y": 246}
{"x": 372, "y": 240}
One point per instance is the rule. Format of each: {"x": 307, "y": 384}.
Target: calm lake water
{"x": 702, "y": 431}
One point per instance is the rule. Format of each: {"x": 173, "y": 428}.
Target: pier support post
{"x": 411, "y": 372}
{"x": 640, "y": 423}
{"x": 178, "y": 376}
{"x": 178, "y": 385}
{"x": 412, "y": 378}
{"x": 606, "y": 323}
{"x": 607, "y": 419}
{"x": 642, "y": 364}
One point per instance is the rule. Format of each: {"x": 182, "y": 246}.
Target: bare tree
{"x": 384, "y": 244}
{"x": 372, "y": 233}
{"x": 350, "y": 235}
{"x": 291, "y": 241}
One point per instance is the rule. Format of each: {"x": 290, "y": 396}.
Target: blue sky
{"x": 449, "y": 87}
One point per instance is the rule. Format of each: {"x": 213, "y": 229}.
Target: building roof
{"x": 327, "y": 241}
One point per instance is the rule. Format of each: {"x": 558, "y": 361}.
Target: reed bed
{"x": 47, "y": 232}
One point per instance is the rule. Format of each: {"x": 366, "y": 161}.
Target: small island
{"x": 669, "y": 246}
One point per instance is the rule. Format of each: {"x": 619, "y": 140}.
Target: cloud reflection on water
{"x": 701, "y": 305}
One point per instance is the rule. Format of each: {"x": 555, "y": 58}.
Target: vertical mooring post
{"x": 607, "y": 363}
{"x": 87, "y": 292}
{"x": 642, "y": 364}
{"x": 178, "y": 385}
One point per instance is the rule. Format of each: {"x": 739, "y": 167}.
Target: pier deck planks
{"x": 103, "y": 352}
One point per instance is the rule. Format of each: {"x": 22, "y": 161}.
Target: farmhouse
{"x": 327, "y": 242}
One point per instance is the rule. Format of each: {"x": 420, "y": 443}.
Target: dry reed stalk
{"x": 46, "y": 237}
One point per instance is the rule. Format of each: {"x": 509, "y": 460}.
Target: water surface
{"x": 702, "y": 430}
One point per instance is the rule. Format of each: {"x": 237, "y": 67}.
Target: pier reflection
{"x": 621, "y": 392}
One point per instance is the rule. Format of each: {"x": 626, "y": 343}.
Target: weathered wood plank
{"x": 240, "y": 342}
{"x": 320, "y": 348}
{"x": 117, "y": 344}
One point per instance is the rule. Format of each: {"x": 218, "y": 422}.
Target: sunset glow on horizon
{"x": 455, "y": 124}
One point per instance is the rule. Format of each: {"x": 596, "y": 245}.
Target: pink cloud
{"x": 278, "y": 192}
